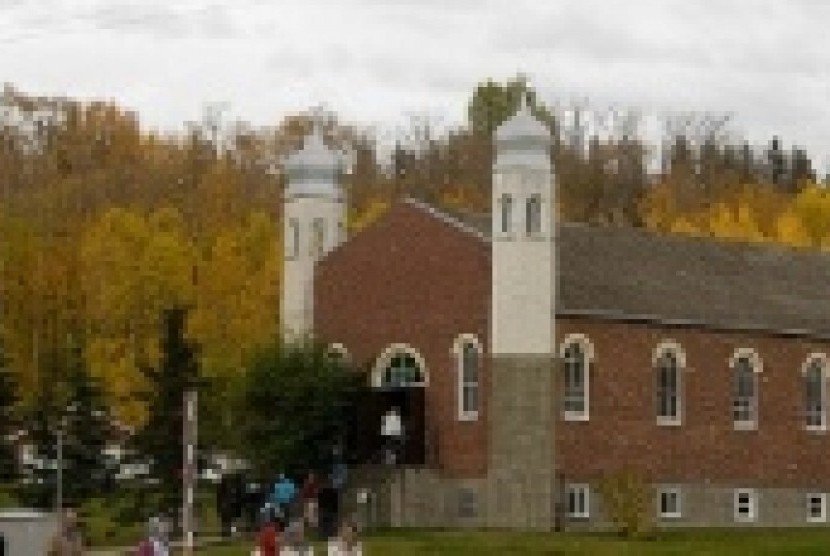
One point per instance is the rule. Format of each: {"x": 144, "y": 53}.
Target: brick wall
{"x": 705, "y": 448}
{"x": 411, "y": 278}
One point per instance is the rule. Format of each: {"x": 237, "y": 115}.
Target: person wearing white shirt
{"x": 392, "y": 431}
{"x": 346, "y": 543}
{"x": 295, "y": 541}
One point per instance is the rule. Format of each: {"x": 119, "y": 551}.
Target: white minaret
{"x": 523, "y": 233}
{"x": 314, "y": 223}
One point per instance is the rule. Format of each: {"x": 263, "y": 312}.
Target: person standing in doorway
{"x": 392, "y": 432}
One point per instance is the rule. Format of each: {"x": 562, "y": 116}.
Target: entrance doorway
{"x": 398, "y": 381}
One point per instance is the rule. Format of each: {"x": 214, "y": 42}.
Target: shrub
{"x": 628, "y": 502}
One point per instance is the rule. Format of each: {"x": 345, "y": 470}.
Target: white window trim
{"x": 821, "y": 518}
{"x": 588, "y": 350}
{"x": 386, "y": 357}
{"x": 804, "y": 368}
{"x": 680, "y": 356}
{"x": 679, "y": 496}
{"x": 757, "y": 368}
{"x": 458, "y": 356}
{"x": 753, "y": 505}
{"x": 586, "y": 491}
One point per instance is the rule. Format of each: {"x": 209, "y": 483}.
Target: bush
{"x": 628, "y": 502}
{"x": 8, "y": 498}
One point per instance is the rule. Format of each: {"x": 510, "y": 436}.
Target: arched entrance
{"x": 398, "y": 379}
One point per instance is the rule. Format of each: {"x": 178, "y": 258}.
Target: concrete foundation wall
{"x": 421, "y": 497}
{"x": 713, "y": 506}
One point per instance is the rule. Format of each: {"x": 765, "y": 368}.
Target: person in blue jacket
{"x": 283, "y": 495}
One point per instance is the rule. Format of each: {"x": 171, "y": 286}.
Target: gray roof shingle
{"x": 631, "y": 273}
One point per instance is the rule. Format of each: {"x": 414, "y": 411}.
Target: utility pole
{"x": 189, "y": 468}
{"x": 59, "y": 494}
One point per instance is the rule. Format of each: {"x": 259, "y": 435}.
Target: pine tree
{"x": 161, "y": 437}
{"x": 87, "y": 432}
{"x": 9, "y": 397}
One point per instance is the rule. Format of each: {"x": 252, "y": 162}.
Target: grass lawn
{"x": 795, "y": 542}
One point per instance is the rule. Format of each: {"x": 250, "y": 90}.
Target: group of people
{"x": 293, "y": 541}
{"x": 291, "y": 513}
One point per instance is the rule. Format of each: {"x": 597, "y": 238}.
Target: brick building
{"x": 531, "y": 358}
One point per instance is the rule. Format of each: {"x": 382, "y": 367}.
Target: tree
{"x": 629, "y": 502}
{"x": 87, "y": 431}
{"x": 492, "y": 103}
{"x": 297, "y": 403}
{"x": 8, "y": 423}
{"x": 160, "y": 439}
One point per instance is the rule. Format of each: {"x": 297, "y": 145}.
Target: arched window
{"x": 402, "y": 370}
{"x": 745, "y": 368}
{"x": 577, "y": 355}
{"x": 815, "y": 392}
{"x": 399, "y": 366}
{"x": 534, "y": 215}
{"x": 668, "y": 361}
{"x": 467, "y": 351}
{"x": 506, "y": 208}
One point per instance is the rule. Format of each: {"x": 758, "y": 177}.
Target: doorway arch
{"x": 399, "y": 378}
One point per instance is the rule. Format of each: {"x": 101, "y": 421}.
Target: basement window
{"x": 668, "y": 500}
{"x": 745, "y": 505}
{"x": 578, "y": 501}
{"x": 816, "y": 508}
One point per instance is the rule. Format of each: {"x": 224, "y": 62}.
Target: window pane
{"x": 668, "y": 381}
{"x": 470, "y": 399}
{"x": 745, "y": 391}
{"x": 470, "y": 363}
{"x": 815, "y": 395}
{"x": 506, "y": 209}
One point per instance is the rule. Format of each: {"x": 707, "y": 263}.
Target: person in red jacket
{"x": 308, "y": 494}
{"x": 269, "y": 536}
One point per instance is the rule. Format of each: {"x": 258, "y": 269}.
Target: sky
{"x": 378, "y": 63}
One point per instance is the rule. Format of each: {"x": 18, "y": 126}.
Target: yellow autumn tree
{"x": 812, "y": 207}
{"x": 684, "y": 226}
{"x": 133, "y": 268}
{"x": 360, "y": 218}
{"x": 790, "y": 230}
{"x": 658, "y": 208}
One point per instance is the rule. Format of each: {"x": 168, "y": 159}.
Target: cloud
{"x": 376, "y": 60}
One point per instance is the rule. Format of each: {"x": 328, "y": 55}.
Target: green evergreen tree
{"x": 9, "y": 397}
{"x": 160, "y": 439}
{"x": 88, "y": 430}
{"x": 42, "y": 419}
{"x": 297, "y": 407}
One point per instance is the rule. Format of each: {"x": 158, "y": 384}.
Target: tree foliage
{"x": 628, "y": 502}
{"x": 161, "y": 438}
{"x": 8, "y": 419}
{"x": 297, "y": 404}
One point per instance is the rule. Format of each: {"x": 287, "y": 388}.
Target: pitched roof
{"x": 634, "y": 274}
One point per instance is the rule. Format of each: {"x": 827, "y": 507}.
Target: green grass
{"x": 711, "y": 542}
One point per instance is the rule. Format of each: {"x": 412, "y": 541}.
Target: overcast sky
{"x": 376, "y": 62}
